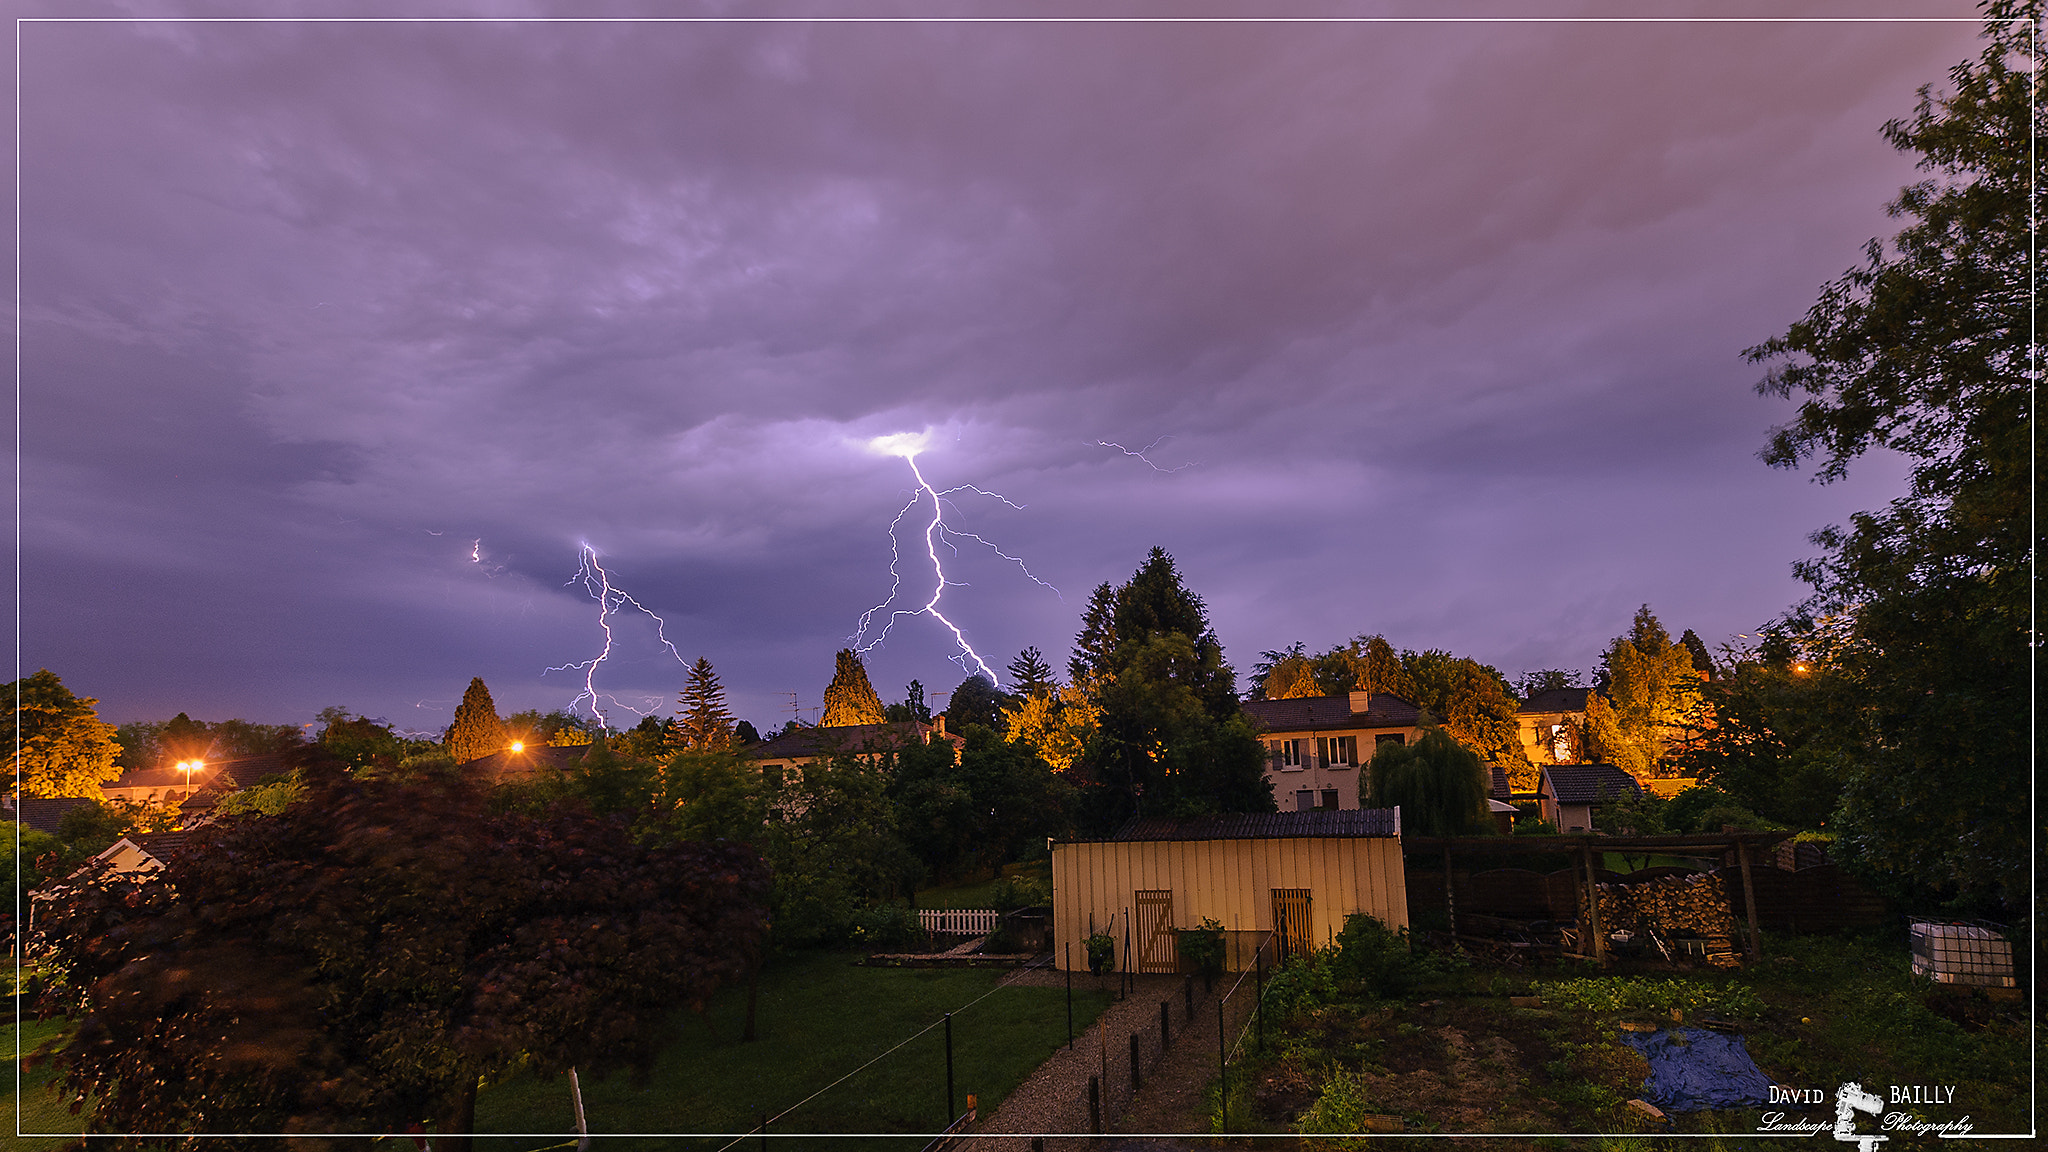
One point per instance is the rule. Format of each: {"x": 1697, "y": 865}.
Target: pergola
{"x": 1585, "y": 846}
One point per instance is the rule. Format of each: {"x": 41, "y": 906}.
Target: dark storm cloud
{"x": 340, "y": 339}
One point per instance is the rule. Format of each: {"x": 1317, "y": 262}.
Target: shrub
{"x": 1372, "y": 957}
{"x": 1202, "y": 948}
{"x": 885, "y": 926}
{"x": 1101, "y": 953}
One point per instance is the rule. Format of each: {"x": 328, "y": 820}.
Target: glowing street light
{"x": 188, "y": 767}
{"x": 519, "y": 746}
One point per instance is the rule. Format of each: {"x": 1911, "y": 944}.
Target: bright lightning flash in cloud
{"x": 936, "y": 532}
{"x": 596, "y": 581}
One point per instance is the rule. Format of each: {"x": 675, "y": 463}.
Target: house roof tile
{"x": 808, "y": 742}
{"x": 1262, "y": 825}
{"x": 1309, "y": 713}
{"x": 43, "y": 813}
{"x": 1589, "y": 783}
{"x": 1556, "y": 700}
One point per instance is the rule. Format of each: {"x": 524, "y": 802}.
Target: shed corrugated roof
{"x": 1590, "y": 783}
{"x": 1262, "y": 825}
{"x": 1384, "y": 710}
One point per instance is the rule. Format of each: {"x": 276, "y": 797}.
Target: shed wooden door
{"x": 1157, "y": 945}
{"x": 1291, "y": 921}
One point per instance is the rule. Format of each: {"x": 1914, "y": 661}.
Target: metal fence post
{"x": 1095, "y": 1105}
{"x": 1070, "y": 995}
{"x": 1222, "y": 1066}
{"x": 949, "y": 1069}
{"x": 1187, "y": 990}
{"x": 1259, "y": 991}
{"x": 1163, "y": 1013}
{"x": 1137, "y": 1074}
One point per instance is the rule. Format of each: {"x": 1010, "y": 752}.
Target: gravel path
{"x": 1054, "y": 1102}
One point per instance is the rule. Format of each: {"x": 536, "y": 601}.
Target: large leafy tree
{"x": 359, "y": 961}
{"x": 1437, "y": 782}
{"x": 976, "y": 701}
{"x": 1776, "y": 742}
{"x": 997, "y": 802}
{"x": 1471, "y": 700}
{"x": 850, "y": 699}
{"x": 1925, "y": 350}
{"x": 57, "y": 744}
{"x": 1650, "y": 701}
{"x": 477, "y": 730}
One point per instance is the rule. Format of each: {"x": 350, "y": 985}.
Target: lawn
{"x": 819, "y": 1018}
{"x": 42, "y": 1110}
{"x": 977, "y": 893}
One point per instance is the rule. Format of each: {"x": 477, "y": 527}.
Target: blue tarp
{"x": 1693, "y": 1070}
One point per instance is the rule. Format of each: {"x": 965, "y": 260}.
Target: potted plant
{"x": 1101, "y": 953}
{"x": 1202, "y": 950}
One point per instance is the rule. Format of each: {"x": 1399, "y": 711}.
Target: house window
{"x": 1389, "y": 738}
{"x": 1338, "y": 751}
{"x": 1291, "y": 752}
{"x": 1330, "y": 799}
{"x": 1304, "y": 801}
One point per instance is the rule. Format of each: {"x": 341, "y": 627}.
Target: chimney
{"x": 1360, "y": 702}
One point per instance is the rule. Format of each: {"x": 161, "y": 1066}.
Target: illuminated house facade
{"x": 1317, "y": 747}
{"x": 1545, "y": 722}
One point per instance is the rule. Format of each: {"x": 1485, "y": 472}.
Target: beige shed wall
{"x": 1231, "y": 881}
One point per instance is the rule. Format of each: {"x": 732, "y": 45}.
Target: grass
{"x": 819, "y": 1017}
{"x": 42, "y": 1110}
{"x": 976, "y": 893}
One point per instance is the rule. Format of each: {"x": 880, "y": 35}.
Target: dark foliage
{"x": 361, "y": 958}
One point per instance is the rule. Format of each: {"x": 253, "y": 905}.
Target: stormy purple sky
{"x": 337, "y": 339}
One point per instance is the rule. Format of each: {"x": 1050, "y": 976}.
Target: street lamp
{"x": 188, "y": 767}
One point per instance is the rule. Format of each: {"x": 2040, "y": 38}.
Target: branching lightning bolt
{"x": 1140, "y": 453}
{"x": 936, "y": 532}
{"x": 596, "y": 581}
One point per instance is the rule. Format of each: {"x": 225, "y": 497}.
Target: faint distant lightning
{"x": 908, "y": 445}
{"x": 1140, "y": 453}
{"x": 476, "y": 550}
{"x": 596, "y": 581}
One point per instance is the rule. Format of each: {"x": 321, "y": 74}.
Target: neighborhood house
{"x": 1317, "y": 746}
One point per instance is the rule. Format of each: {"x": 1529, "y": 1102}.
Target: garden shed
{"x": 1296, "y": 875}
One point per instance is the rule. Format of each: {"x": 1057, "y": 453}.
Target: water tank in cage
{"x": 1961, "y": 954}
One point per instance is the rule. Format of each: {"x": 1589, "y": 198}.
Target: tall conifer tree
{"x": 477, "y": 730}
{"x": 851, "y": 699}
{"x": 704, "y": 724}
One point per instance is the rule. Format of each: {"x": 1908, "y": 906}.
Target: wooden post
{"x": 1756, "y": 947}
{"x": 1599, "y": 950}
{"x": 582, "y": 1129}
{"x": 1450, "y": 894}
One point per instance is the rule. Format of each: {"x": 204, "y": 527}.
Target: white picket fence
{"x": 957, "y": 921}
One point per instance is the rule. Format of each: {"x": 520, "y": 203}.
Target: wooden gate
{"x": 1291, "y": 921}
{"x": 1157, "y": 943}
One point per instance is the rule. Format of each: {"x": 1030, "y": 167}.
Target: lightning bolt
{"x": 1140, "y": 453}
{"x": 591, "y": 574}
{"x": 936, "y": 532}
